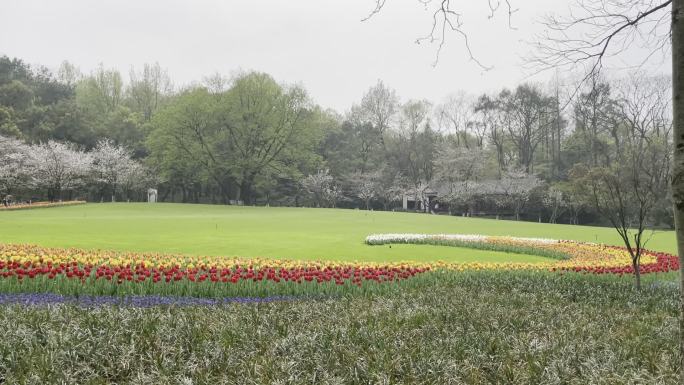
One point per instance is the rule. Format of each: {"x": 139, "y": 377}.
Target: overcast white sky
{"x": 321, "y": 44}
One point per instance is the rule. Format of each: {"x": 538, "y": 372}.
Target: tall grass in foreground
{"x": 467, "y": 328}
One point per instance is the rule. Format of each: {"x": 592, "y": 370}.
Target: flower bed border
{"x": 571, "y": 256}
{"x": 41, "y": 205}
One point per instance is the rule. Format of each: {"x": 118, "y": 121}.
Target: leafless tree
{"x": 379, "y": 106}
{"x": 527, "y": 115}
{"x": 628, "y": 188}
{"x": 556, "y": 130}
{"x": 456, "y": 115}
{"x": 494, "y": 121}
{"x": 594, "y": 113}
{"x": 413, "y": 142}
{"x": 148, "y": 88}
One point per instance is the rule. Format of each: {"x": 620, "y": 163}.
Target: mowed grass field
{"x": 292, "y": 233}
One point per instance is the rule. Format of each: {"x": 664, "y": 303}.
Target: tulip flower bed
{"x": 33, "y": 269}
{"x": 38, "y": 205}
{"x": 572, "y": 256}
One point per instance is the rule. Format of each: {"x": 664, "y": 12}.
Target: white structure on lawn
{"x": 152, "y": 195}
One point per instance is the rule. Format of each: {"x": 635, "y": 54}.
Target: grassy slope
{"x": 273, "y": 232}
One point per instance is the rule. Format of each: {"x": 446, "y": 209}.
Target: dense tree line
{"x": 540, "y": 152}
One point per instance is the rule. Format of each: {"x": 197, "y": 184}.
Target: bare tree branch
{"x": 445, "y": 19}
{"x": 596, "y": 30}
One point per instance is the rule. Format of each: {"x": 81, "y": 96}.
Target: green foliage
{"x": 188, "y": 146}
{"x": 16, "y": 95}
{"x": 101, "y": 92}
{"x": 244, "y": 138}
{"x": 8, "y": 126}
{"x": 351, "y": 147}
{"x": 478, "y": 328}
{"x": 32, "y": 103}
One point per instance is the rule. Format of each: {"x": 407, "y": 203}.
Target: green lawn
{"x": 274, "y": 232}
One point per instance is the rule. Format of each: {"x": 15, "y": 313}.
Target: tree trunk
{"x": 246, "y": 188}
{"x": 165, "y": 195}
{"x": 245, "y": 193}
{"x": 678, "y": 168}
{"x": 223, "y": 191}
{"x": 637, "y": 274}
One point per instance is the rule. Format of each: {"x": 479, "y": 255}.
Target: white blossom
{"x": 380, "y": 239}
{"x": 15, "y": 172}
{"x": 111, "y": 164}
{"x": 57, "y": 167}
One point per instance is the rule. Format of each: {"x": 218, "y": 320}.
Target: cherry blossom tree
{"x": 318, "y": 186}
{"x": 15, "y": 172}
{"x": 333, "y": 194}
{"x": 136, "y": 178}
{"x": 364, "y": 186}
{"x": 111, "y": 164}
{"x": 58, "y": 167}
